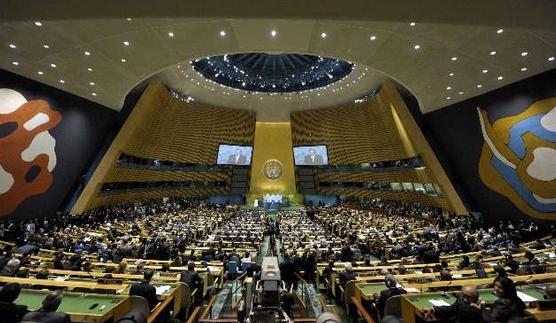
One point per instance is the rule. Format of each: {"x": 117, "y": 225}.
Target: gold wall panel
{"x": 121, "y": 174}
{"x": 412, "y": 197}
{"x": 273, "y": 142}
{"x": 413, "y": 176}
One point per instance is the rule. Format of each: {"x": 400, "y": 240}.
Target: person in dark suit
{"x": 145, "y": 289}
{"x": 467, "y": 308}
{"x": 192, "y": 278}
{"x": 347, "y": 275}
{"x": 9, "y": 311}
{"x": 392, "y": 290}
{"x": 47, "y": 313}
{"x": 287, "y": 272}
{"x": 237, "y": 158}
{"x": 312, "y": 158}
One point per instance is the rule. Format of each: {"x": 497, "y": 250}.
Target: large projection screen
{"x": 310, "y": 155}
{"x": 234, "y": 155}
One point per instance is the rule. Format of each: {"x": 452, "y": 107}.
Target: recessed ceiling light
{"x": 448, "y": 98}
{"x": 323, "y": 35}
{"x": 524, "y": 53}
{"x": 222, "y": 33}
{"x": 89, "y": 69}
{"x": 373, "y": 37}
{"x": 492, "y": 53}
{"x": 38, "y": 23}
{"x": 46, "y": 46}
{"x": 53, "y": 65}
{"x": 412, "y": 24}
{"x": 62, "y": 81}
{"x": 93, "y": 94}
{"x": 92, "y": 83}
{"x": 123, "y": 60}
{"x": 499, "y": 31}
{"x": 126, "y": 43}
{"x": 15, "y": 63}
{"x": 451, "y": 74}
{"x": 128, "y": 19}
{"x": 170, "y": 34}
{"x": 417, "y": 46}
{"x": 485, "y": 71}
{"x": 273, "y": 33}
{"x": 551, "y": 58}
{"x": 500, "y": 77}
{"x": 460, "y": 92}
{"x": 523, "y": 69}
{"x": 12, "y": 46}
{"x": 40, "y": 73}
{"x": 479, "y": 86}
{"x": 454, "y": 58}
{"x": 87, "y": 53}
{"x": 448, "y": 88}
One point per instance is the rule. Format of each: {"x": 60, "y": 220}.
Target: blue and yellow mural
{"x": 518, "y": 158}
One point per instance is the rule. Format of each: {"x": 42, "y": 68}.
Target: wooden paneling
{"x": 389, "y": 195}
{"x": 120, "y": 174}
{"x": 414, "y": 176}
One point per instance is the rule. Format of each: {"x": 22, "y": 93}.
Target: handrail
{"x": 362, "y": 311}
{"x": 192, "y": 318}
{"x": 208, "y": 307}
{"x": 159, "y": 308}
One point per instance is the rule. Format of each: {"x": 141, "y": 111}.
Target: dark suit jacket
{"x": 385, "y": 295}
{"x": 46, "y": 317}
{"x": 192, "y": 279}
{"x": 458, "y": 312}
{"x": 145, "y": 290}
{"x": 242, "y": 159}
{"x": 504, "y": 308}
{"x": 318, "y": 160}
{"x": 347, "y": 276}
{"x": 12, "y": 313}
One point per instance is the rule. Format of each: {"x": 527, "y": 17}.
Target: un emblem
{"x": 518, "y": 158}
{"x": 272, "y": 169}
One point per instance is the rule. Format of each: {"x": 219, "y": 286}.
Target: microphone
{"x": 445, "y": 294}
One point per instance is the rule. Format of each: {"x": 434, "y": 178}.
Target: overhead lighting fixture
{"x": 273, "y": 33}
{"x": 323, "y": 35}
{"x": 87, "y": 53}
{"x": 451, "y": 74}
{"x": 126, "y": 43}
{"x": 222, "y": 33}
{"x": 485, "y": 71}
{"x": 448, "y": 98}
{"x": 128, "y": 19}
{"x": 93, "y": 94}
{"x": 524, "y": 53}
{"x": 62, "y": 81}
{"x": 46, "y": 46}
{"x": 500, "y": 78}
{"x": 15, "y": 63}
{"x": 123, "y": 60}
{"x": 499, "y": 31}
{"x": 40, "y": 73}
{"x": 53, "y": 65}
{"x": 417, "y": 46}
{"x": 479, "y": 86}
{"x": 460, "y": 93}
{"x": 448, "y": 88}
{"x": 170, "y": 34}
{"x": 523, "y": 69}
{"x": 492, "y": 53}
{"x": 92, "y": 83}
{"x": 12, "y": 46}
{"x": 454, "y": 58}
{"x": 38, "y": 23}
{"x": 412, "y": 24}
{"x": 373, "y": 37}
{"x": 551, "y": 58}
{"x": 89, "y": 69}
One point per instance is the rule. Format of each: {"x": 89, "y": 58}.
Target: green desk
{"x": 78, "y": 305}
{"x": 414, "y": 304}
{"x": 366, "y": 291}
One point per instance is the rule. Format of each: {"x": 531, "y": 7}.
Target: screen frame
{"x": 229, "y": 144}
{"x": 301, "y": 146}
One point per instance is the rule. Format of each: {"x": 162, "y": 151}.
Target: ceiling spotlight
{"x": 373, "y": 37}
{"x": 87, "y": 53}
{"x": 500, "y": 78}
{"x": 89, "y": 69}
{"x": 93, "y": 94}
{"x": 38, "y": 23}
{"x": 126, "y": 43}
{"x": 170, "y": 34}
{"x": 128, "y": 19}
{"x": 485, "y": 71}
{"x": 62, "y": 81}
{"x": 417, "y": 46}
{"x": 53, "y": 65}
{"x": 15, "y": 63}
{"x": 523, "y": 69}
{"x": 499, "y": 31}
{"x": 40, "y": 73}
{"x": 460, "y": 92}
{"x": 454, "y": 58}
{"x": 323, "y": 35}
{"x": 551, "y": 58}
{"x": 46, "y": 46}
{"x": 479, "y": 86}
{"x": 451, "y": 74}
{"x": 222, "y": 33}
{"x": 448, "y": 88}
{"x": 273, "y": 33}
{"x": 412, "y": 24}
{"x": 12, "y": 46}
{"x": 92, "y": 83}
{"x": 524, "y": 53}
{"x": 123, "y": 60}
{"x": 448, "y": 98}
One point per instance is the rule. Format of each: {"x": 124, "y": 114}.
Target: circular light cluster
{"x": 272, "y": 73}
